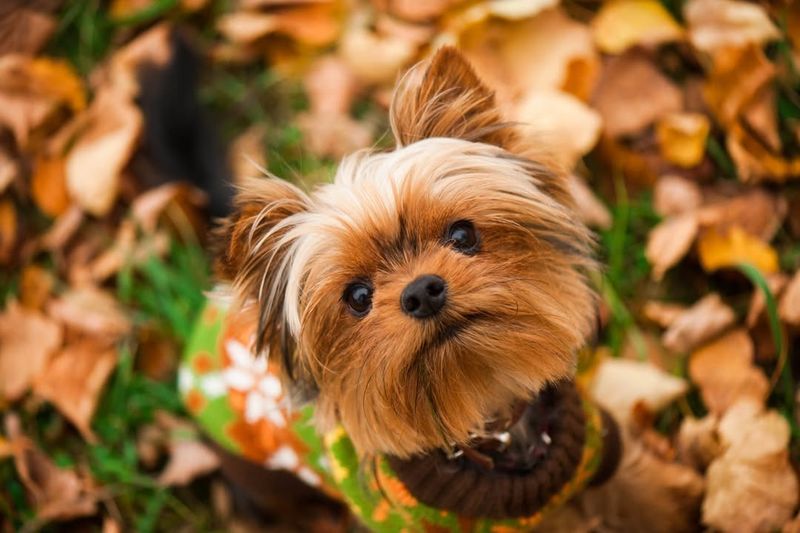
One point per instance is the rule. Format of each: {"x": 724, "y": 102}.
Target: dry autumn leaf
{"x": 752, "y": 486}
{"x": 74, "y": 379}
{"x": 621, "y": 24}
{"x": 724, "y": 372}
{"x": 789, "y": 307}
{"x": 663, "y": 313}
{"x": 756, "y": 211}
{"x": 633, "y": 94}
{"x": 725, "y": 250}
{"x": 776, "y": 283}
{"x": 245, "y": 27}
{"x": 699, "y": 442}
{"x": 673, "y": 195}
{"x": 619, "y": 384}
{"x": 189, "y": 459}
{"x": 669, "y": 241}
{"x": 25, "y": 29}
{"x": 247, "y": 154}
{"x": 35, "y": 286}
{"x": 57, "y": 493}
{"x": 590, "y": 209}
{"x": 738, "y": 74}
{"x": 49, "y": 186}
{"x": 9, "y": 168}
{"x": 682, "y": 138}
{"x": 27, "y": 340}
{"x": 9, "y": 230}
{"x": 373, "y": 58}
{"x": 716, "y": 24}
{"x": 704, "y": 320}
{"x": 92, "y": 311}
{"x": 93, "y": 165}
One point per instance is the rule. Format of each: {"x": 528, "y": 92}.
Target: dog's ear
{"x": 443, "y": 97}
{"x": 253, "y": 255}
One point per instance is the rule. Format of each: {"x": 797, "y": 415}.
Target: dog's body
{"x": 429, "y": 304}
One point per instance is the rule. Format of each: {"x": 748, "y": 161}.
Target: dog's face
{"x": 427, "y": 288}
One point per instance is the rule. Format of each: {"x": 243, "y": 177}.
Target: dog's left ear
{"x": 443, "y": 97}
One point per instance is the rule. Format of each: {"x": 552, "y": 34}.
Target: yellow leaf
{"x": 621, "y": 24}
{"x": 58, "y": 79}
{"x": 719, "y": 250}
{"x": 682, "y": 138}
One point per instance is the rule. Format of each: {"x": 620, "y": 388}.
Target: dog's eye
{"x": 358, "y": 297}
{"x": 463, "y": 236}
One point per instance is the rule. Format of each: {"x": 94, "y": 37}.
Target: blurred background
{"x": 124, "y": 125}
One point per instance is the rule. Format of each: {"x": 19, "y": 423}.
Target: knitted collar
{"x": 572, "y": 444}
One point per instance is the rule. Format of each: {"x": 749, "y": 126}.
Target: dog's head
{"x": 428, "y": 287}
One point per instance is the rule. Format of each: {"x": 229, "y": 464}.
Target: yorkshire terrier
{"x": 427, "y": 308}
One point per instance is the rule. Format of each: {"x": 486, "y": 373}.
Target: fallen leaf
{"x": 49, "y": 186}
{"x": 152, "y": 49}
{"x": 94, "y": 163}
{"x": 724, "y": 372}
{"x": 619, "y": 384}
{"x": 24, "y": 29}
{"x": 9, "y": 168}
{"x": 546, "y": 52}
{"x": 716, "y": 24}
{"x": 92, "y": 311}
{"x": 9, "y": 230}
{"x": 333, "y": 135}
{"x": 57, "y": 493}
{"x": 722, "y": 250}
{"x": 246, "y": 26}
{"x": 189, "y": 459}
{"x": 699, "y": 442}
{"x": 63, "y": 229}
{"x": 662, "y": 313}
{"x": 633, "y": 94}
{"x": 755, "y": 211}
{"x": 789, "y": 306}
{"x": 27, "y": 340}
{"x": 330, "y": 85}
{"x": 33, "y": 90}
{"x": 707, "y": 318}
{"x": 621, "y": 24}
{"x": 673, "y": 195}
{"x": 312, "y": 25}
{"x": 669, "y": 241}
{"x": 737, "y": 75}
{"x": 150, "y": 206}
{"x": 755, "y": 162}
{"x": 760, "y": 118}
{"x": 682, "y": 138}
{"x": 752, "y": 486}
{"x": 590, "y": 209}
{"x": 563, "y": 125}
{"x": 415, "y": 11}
{"x": 74, "y": 379}
{"x": 35, "y": 286}
{"x": 374, "y": 59}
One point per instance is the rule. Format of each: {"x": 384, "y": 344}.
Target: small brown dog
{"x": 430, "y": 304}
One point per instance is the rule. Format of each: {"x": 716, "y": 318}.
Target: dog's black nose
{"x": 424, "y": 297}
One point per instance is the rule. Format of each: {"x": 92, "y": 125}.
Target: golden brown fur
{"x": 516, "y": 311}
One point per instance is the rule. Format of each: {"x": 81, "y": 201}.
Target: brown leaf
{"x": 35, "y": 286}
{"x": 716, "y": 24}
{"x": 776, "y": 283}
{"x": 246, "y": 26}
{"x": 74, "y": 380}
{"x": 93, "y": 165}
{"x": 620, "y": 384}
{"x": 62, "y": 230}
{"x": 704, "y": 320}
{"x": 33, "y": 90}
{"x": 590, "y": 209}
{"x": 789, "y": 306}
{"x": 725, "y": 374}
{"x": 313, "y": 25}
{"x": 27, "y": 339}
{"x": 247, "y": 154}
{"x": 330, "y": 85}
{"x": 669, "y": 241}
{"x": 756, "y": 211}
{"x": 9, "y": 230}
{"x": 698, "y": 441}
{"x": 621, "y": 24}
{"x": 24, "y": 29}
{"x": 189, "y": 459}
{"x": 662, "y": 313}
{"x": 755, "y": 162}
{"x": 633, "y": 94}
{"x": 333, "y": 135}
{"x": 49, "y": 186}
{"x": 9, "y": 168}
{"x": 92, "y": 311}
{"x": 374, "y": 59}
{"x": 738, "y": 74}
{"x": 673, "y": 195}
{"x": 752, "y": 486}
{"x": 57, "y": 493}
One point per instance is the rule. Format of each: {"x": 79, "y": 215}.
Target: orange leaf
{"x": 721, "y": 250}
{"x": 49, "y": 186}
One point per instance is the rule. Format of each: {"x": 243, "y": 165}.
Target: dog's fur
{"x": 517, "y": 310}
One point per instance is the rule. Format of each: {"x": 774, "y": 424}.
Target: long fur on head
{"x": 516, "y": 311}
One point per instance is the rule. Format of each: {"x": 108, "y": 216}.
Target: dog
{"x": 404, "y": 339}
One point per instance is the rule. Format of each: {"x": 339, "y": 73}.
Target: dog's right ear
{"x": 253, "y": 252}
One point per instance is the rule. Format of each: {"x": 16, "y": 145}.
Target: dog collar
{"x": 430, "y": 492}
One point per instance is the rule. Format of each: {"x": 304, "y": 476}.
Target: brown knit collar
{"x": 542, "y": 455}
